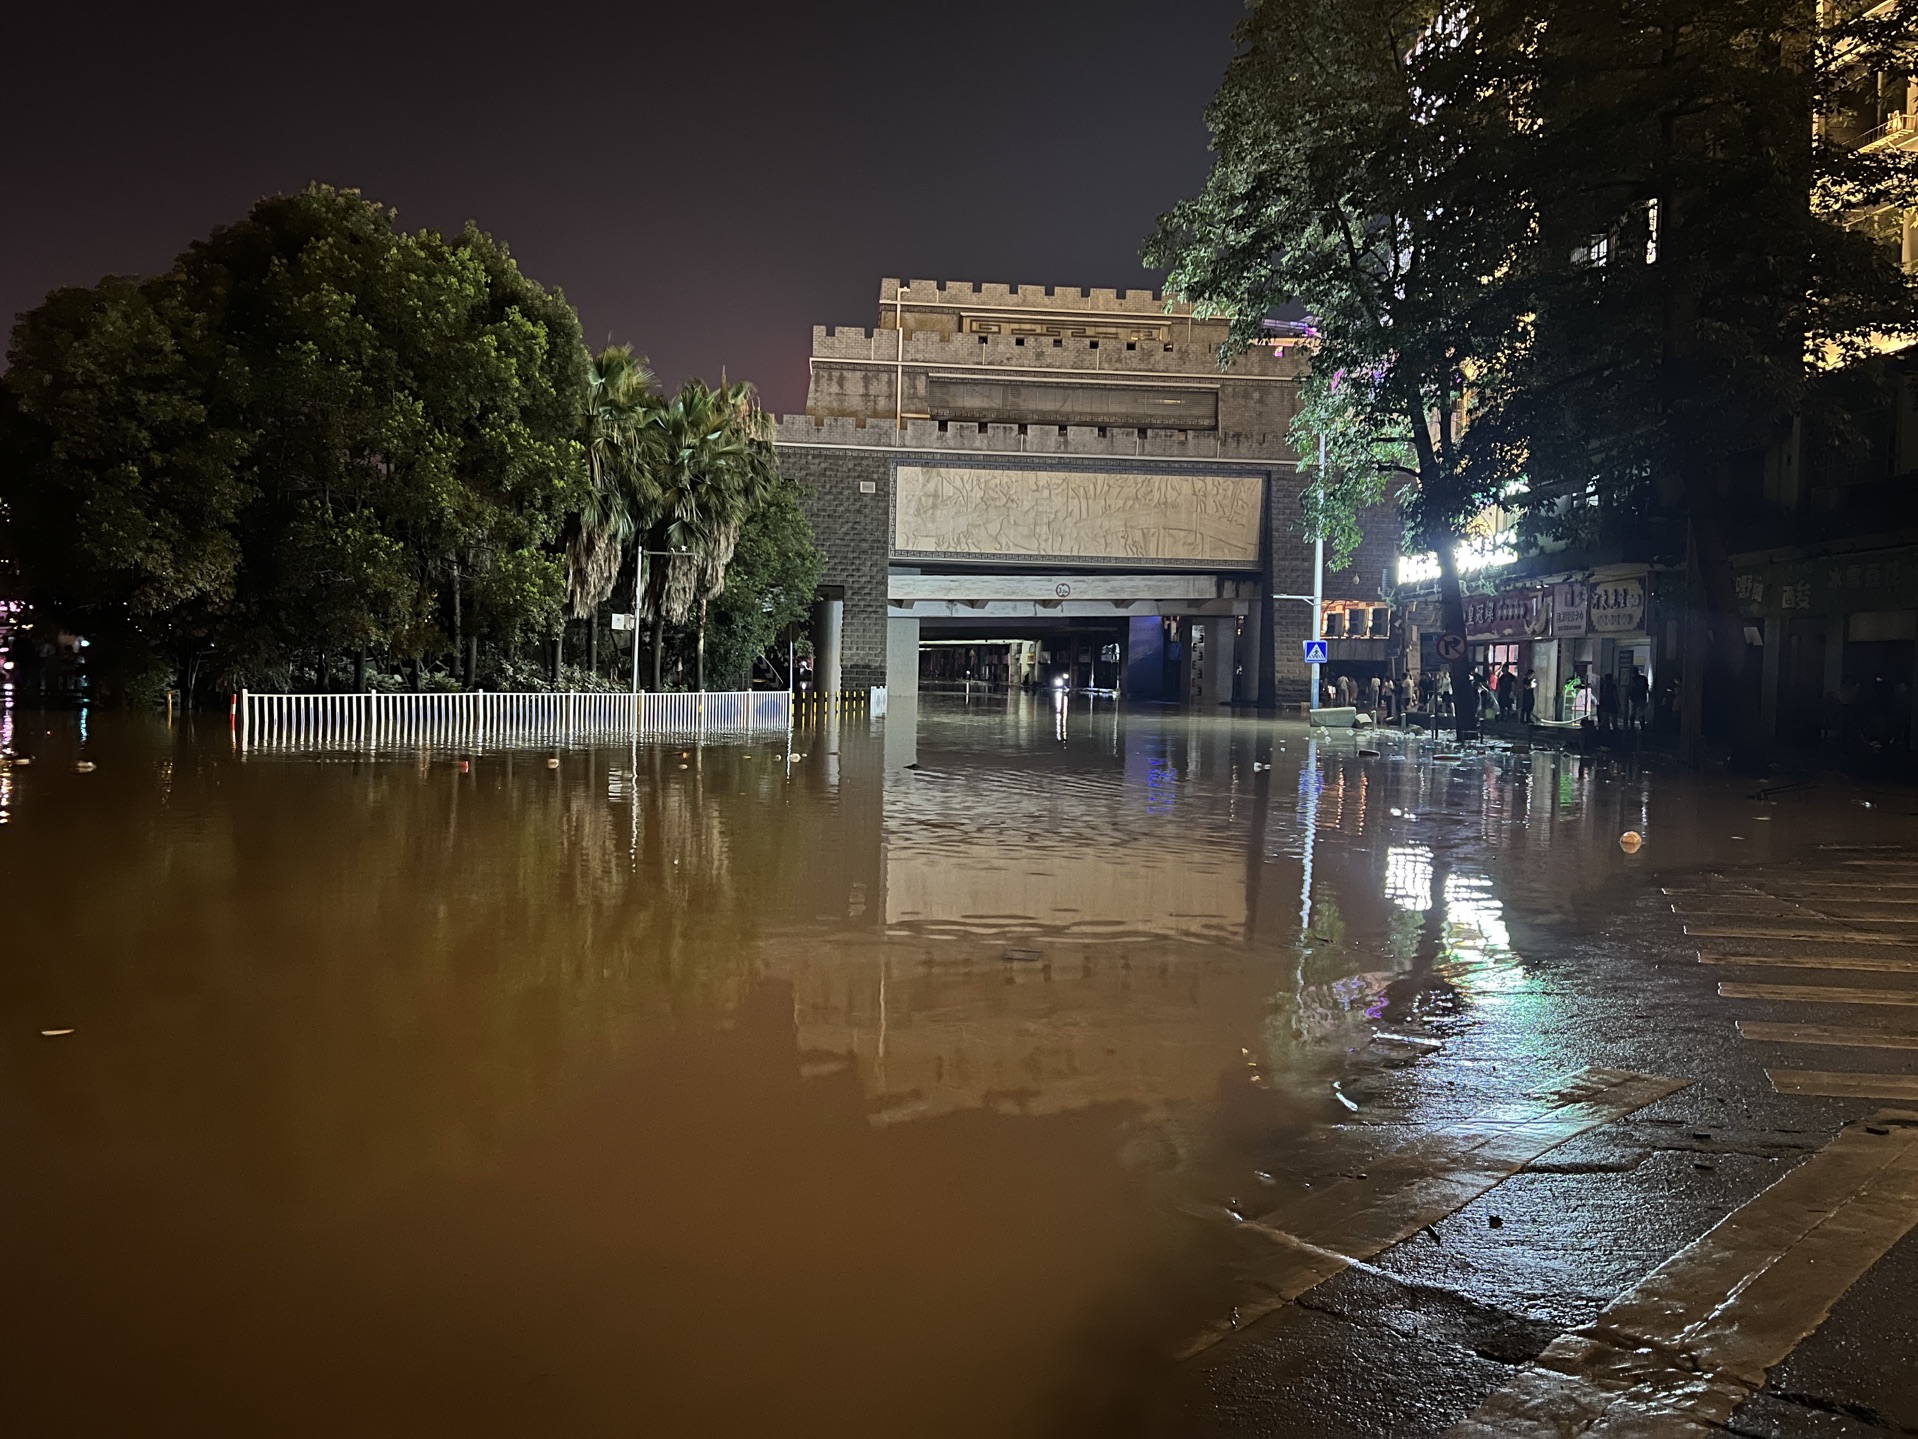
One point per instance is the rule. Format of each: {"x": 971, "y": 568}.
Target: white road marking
{"x": 1844, "y": 1084}
{"x": 1817, "y": 993}
{"x": 1677, "y": 1353}
{"x": 1304, "y": 1243}
{"x": 1875, "y": 963}
{"x": 1832, "y": 1034}
{"x": 1815, "y": 936}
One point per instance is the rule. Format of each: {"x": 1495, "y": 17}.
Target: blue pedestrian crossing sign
{"x": 1315, "y": 652}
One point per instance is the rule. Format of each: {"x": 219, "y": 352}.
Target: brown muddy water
{"x": 890, "y": 1080}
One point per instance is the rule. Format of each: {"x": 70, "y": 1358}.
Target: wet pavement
{"x": 950, "y": 1072}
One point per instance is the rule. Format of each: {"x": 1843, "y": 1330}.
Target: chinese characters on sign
{"x": 1617, "y": 606}
{"x": 1568, "y": 609}
{"x": 1510, "y": 614}
{"x": 1837, "y": 584}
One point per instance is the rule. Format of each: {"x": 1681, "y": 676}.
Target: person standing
{"x": 1608, "y": 702}
{"x": 1637, "y": 694}
{"x": 1507, "y": 690}
{"x": 1528, "y": 696}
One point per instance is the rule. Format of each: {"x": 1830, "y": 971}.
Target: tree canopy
{"x": 319, "y": 436}
{"x": 1570, "y": 255}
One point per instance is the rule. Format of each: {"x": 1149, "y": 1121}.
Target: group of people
{"x": 1503, "y": 693}
{"x": 1612, "y": 705}
{"x": 1380, "y": 697}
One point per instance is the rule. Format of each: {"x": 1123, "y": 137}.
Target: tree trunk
{"x": 1452, "y": 606}
{"x": 359, "y": 670}
{"x": 659, "y": 647}
{"x": 324, "y": 674}
{"x": 472, "y": 662}
{"x": 459, "y": 622}
{"x": 559, "y": 655}
{"x": 699, "y": 651}
{"x": 592, "y": 643}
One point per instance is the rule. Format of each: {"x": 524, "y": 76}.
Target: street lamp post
{"x": 1318, "y": 573}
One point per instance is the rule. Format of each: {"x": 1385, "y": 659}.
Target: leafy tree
{"x": 316, "y": 433}
{"x": 1346, "y": 179}
{"x": 120, "y": 489}
{"x": 619, "y": 398}
{"x": 707, "y": 464}
{"x": 1695, "y": 273}
{"x": 768, "y": 587}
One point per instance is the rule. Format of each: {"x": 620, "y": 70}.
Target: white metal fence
{"x": 498, "y": 720}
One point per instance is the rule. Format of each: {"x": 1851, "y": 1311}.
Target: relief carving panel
{"x": 963, "y": 510}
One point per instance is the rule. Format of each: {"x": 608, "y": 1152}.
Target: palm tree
{"x": 707, "y": 457}
{"x": 619, "y": 397}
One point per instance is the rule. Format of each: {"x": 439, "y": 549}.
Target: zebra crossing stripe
{"x": 1845, "y": 1084}
{"x": 1828, "y": 1034}
{"x": 1677, "y": 1353}
{"x": 1873, "y": 963}
{"x": 1817, "y": 993}
{"x": 1305, "y": 1243}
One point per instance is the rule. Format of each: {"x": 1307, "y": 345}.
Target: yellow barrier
{"x": 817, "y": 704}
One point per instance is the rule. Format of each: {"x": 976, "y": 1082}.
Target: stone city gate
{"x": 998, "y": 461}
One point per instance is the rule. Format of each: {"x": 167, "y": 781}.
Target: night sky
{"x": 704, "y": 181}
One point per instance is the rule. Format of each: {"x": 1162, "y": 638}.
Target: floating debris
{"x": 1024, "y": 956}
{"x": 1630, "y": 841}
{"x": 55, "y": 1033}
{"x": 552, "y": 763}
{"x": 85, "y": 766}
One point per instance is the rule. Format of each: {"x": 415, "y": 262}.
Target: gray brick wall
{"x": 1291, "y": 575}
{"x": 854, "y": 532}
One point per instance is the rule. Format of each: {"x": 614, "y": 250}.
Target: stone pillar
{"x": 1219, "y": 658}
{"x": 828, "y": 623}
{"x": 1257, "y": 643}
{"x": 902, "y": 658}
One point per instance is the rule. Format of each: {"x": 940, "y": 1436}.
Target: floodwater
{"x": 894, "y": 1081}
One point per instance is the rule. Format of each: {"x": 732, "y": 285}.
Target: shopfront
{"x": 1509, "y": 627}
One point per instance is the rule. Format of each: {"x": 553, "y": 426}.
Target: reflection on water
{"x": 721, "y": 1089}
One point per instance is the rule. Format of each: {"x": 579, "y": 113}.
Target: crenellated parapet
{"x": 935, "y": 436}
{"x": 1040, "y": 297}
{"x": 1177, "y": 355}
